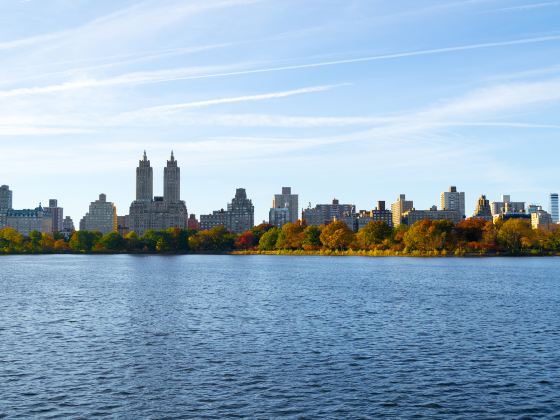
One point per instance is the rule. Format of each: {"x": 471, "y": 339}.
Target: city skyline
{"x": 466, "y": 96}
{"x": 153, "y": 211}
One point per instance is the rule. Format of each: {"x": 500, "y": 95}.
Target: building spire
{"x": 145, "y": 157}
{"x": 172, "y": 157}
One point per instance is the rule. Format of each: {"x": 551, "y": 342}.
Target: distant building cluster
{"x": 149, "y": 212}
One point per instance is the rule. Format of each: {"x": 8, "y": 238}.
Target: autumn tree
{"x": 215, "y": 240}
{"x": 337, "y": 236}
{"x": 426, "y": 235}
{"x": 246, "y": 240}
{"x": 291, "y": 236}
{"x": 374, "y": 233}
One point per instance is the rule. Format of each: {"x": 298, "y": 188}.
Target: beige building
{"x": 399, "y": 208}
{"x": 285, "y": 200}
{"x": 26, "y": 221}
{"x": 541, "y": 219}
{"x": 412, "y": 216}
{"x": 453, "y": 200}
{"x": 157, "y": 213}
{"x": 102, "y": 216}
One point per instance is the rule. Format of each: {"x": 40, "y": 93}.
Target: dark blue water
{"x": 266, "y": 336}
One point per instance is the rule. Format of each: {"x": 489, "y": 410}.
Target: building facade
{"x": 483, "y": 210}
{"x": 157, "y": 213}
{"x": 239, "y": 216}
{"x": 101, "y": 217}
{"x": 541, "y": 219}
{"x": 323, "y": 214}
{"x": 279, "y": 216}
{"x": 289, "y": 201}
{"x": 123, "y": 225}
{"x": 193, "y": 223}
{"x": 56, "y": 213}
{"x": 412, "y": 216}
{"x": 506, "y": 206}
{"x": 5, "y": 198}
{"x": 379, "y": 214}
{"x": 554, "y": 207}
{"x": 398, "y": 208}
{"x": 29, "y": 220}
{"x": 453, "y": 200}
{"x": 5, "y": 203}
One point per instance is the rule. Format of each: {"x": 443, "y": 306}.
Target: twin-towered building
{"x": 157, "y": 212}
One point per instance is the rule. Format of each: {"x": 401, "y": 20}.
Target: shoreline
{"x": 303, "y": 253}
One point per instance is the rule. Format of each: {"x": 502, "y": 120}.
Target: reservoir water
{"x": 269, "y": 336}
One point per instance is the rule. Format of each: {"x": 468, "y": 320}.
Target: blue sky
{"x": 356, "y": 99}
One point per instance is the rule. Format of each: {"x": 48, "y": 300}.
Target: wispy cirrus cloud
{"x": 192, "y": 73}
{"x": 527, "y": 7}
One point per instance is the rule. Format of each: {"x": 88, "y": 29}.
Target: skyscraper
{"x": 172, "y": 181}
{"x": 554, "y": 207}
{"x": 285, "y": 200}
{"x": 157, "y": 213}
{"x": 5, "y": 198}
{"x": 453, "y": 200}
{"x": 144, "y": 180}
{"x": 5, "y": 204}
{"x": 399, "y": 208}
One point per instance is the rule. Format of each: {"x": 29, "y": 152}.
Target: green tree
{"x": 35, "y": 241}
{"x": 515, "y": 235}
{"x": 84, "y": 241}
{"x": 311, "y": 238}
{"x": 337, "y": 236}
{"x": 373, "y": 234}
{"x": 269, "y": 239}
{"x": 112, "y": 241}
{"x": 132, "y": 242}
{"x": 215, "y": 240}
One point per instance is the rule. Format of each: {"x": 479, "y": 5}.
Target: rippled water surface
{"x": 269, "y": 336}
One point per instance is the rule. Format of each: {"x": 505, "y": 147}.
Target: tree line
{"x": 471, "y": 236}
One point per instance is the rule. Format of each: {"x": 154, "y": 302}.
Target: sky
{"x": 361, "y": 100}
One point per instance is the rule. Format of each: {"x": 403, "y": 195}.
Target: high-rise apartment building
{"x": 483, "y": 210}
{"x": 57, "y": 215}
{"x": 5, "y": 203}
{"x": 323, "y": 214}
{"x": 289, "y": 201}
{"x": 101, "y": 217}
{"x": 554, "y": 207}
{"x": 453, "y": 200}
{"x": 5, "y": 198}
{"x": 144, "y": 180}
{"x": 239, "y": 216}
{"x": 157, "y": 213}
{"x": 399, "y": 207}
{"x": 279, "y": 216}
